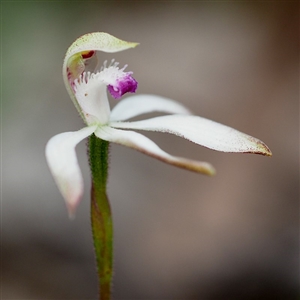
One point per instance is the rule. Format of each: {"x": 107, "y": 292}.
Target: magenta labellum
{"x": 125, "y": 84}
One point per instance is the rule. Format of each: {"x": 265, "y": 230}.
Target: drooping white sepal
{"x": 63, "y": 164}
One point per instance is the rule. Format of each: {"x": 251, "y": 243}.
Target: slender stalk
{"x": 101, "y": 219}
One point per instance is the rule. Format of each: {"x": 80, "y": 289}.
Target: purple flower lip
{"x": 125, "y": 84}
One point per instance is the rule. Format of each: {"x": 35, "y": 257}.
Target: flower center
{"x": 90, "y": 91}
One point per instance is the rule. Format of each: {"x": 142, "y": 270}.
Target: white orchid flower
{"x": 89, "y": 94}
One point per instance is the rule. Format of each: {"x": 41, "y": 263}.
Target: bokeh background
{"x": 178, "y": 235}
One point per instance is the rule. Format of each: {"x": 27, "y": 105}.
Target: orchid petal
{"x": 202, "y": 132}
{"x": 143, "y": 144}
{"x": 142, "y": 104}
{"x": 63, "y": 164}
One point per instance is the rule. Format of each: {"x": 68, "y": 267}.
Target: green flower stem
{"x": 101, "y": 219}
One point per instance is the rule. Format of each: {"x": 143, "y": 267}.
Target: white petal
{"x": 142, "y": 104}
{"x": 143, "y": 144}
{"x": 201, "y": 131}
{"x": 63, "y": 164}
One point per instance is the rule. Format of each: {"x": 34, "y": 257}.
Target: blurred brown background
{"x": 178, "y": 235}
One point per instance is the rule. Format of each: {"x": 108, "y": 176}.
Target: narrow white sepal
{"x": 63, "y": 164}
{"x": 201, "y": 131}
{"x": 143, "y": 144}
{"x": 142, "y": 104}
